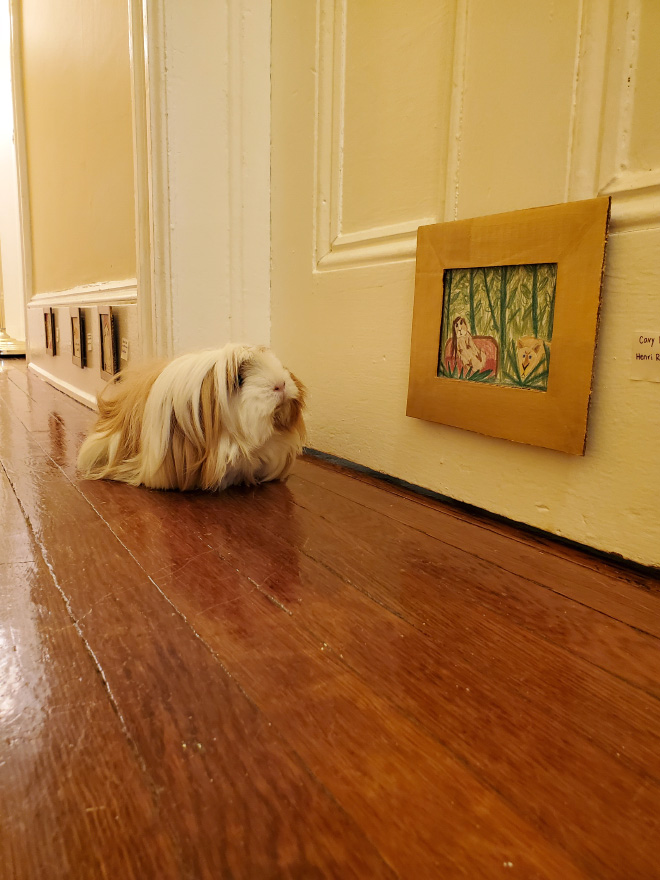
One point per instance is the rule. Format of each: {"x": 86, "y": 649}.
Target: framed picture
{"x": 108, "y": 340}
{"x": 505, "y": 321}
{"x": 78, "y": 337}
{"x": 49, "y": 331}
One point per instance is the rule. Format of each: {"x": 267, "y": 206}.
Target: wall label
{"x": 645, "y": 362}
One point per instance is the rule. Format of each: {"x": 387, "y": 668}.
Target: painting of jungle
{"x": 497, "y": 325}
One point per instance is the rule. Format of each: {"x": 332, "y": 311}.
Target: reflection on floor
{"x": 324, "y": 678}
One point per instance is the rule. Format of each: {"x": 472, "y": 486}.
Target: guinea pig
{"x": 205, "y": 420}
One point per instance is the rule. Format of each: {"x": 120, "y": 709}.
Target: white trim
{"x": 574, "y": 115}
{"x": 455, "y": 127}
{"x": 635, "y": 209}
{"x": 394, "y": 232}
{"x": 147, "y": 39}
{"x": 235, "y": 166}
{"x": 620, "y": 91}
{"x": 141, "y": 175}
{"x": 103, "y": 292}
{"x": 328, "y": 116}
{"x": 248, "y": 158}
{"x": 339, "y": 113}
{"x": 631, "y": 209}
{"x": 588, "y": 99}
{"x": 629, "y": 181}
{"x": 203, "y": 170}
{"x": 159, "y": 190}
{"x": 389, "y": 250}
{"x": 635, "y": 193}
{"x": 380, "y": 244}
{"x": 20, "y": 148}
{"x": 69, "y": 389}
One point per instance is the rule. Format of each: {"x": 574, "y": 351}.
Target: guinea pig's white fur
{"x": 202, "y": 421}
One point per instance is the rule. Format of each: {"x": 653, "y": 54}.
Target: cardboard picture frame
{"x": 109, "y": 360}
{"x": 78, "y": 337}
{"x": 50, "y": 331}
{"x": 572, "y": 236}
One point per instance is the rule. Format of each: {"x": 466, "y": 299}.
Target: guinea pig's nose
{"x": 279, "y": 387}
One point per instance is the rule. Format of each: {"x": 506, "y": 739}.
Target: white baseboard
{"x": 81, "y": 396}
{"x": 111, "y": 293}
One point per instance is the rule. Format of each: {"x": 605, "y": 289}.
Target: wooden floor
{"x": 328, "y": 678}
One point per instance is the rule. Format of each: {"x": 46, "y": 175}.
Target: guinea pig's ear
{"x": 302, "y": 391}
{"x": 237, "y": 360}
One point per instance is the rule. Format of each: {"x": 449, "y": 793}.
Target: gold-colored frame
{"x": 109, "y": 361}
{"x": 50, "y": 331}
{"x": 78, "y": 337}
{"x": 573, "y": 236}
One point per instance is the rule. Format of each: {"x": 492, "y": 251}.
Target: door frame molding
{"x": 152, "y": 228}
{"x": 24, "y": 235}
{"x": 169, "y": 292}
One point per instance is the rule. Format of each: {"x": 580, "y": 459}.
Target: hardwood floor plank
{"x": 382, "y": 566}
{"x": 600, "y": 639}
{"x": 15, "y": 543}
{"x": 45, "y": 410}
{"x": 565, "y": 550}
{"x": 416, "y": 680}
{"x": 73, "y": 798}
{"x": 401, "y": 556}
{"x": 424, "y": 810}
{"x": 443, "y": 687}
{"x": 592, "y": 585}
{"x": 374, "y": 760}
{"x": 470, "y": 691}
{"x": 240, "y": 798}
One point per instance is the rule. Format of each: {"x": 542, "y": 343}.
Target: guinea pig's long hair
{"x": 202, "y": 421}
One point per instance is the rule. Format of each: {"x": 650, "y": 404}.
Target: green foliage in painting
{"x": 497, "y": 324}
{"x": 468, "y": 373}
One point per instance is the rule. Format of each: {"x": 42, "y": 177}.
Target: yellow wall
{"x": 518, "y": 122}
{"x": 79, "y": 141}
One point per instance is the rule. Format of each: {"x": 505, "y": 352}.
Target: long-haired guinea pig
{"x": 202, "y": 421}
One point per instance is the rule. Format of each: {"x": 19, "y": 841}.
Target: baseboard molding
{"x": 66, "y": 387}
{"x": 101, "y": 292}
{"x": 465, "y": 507}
